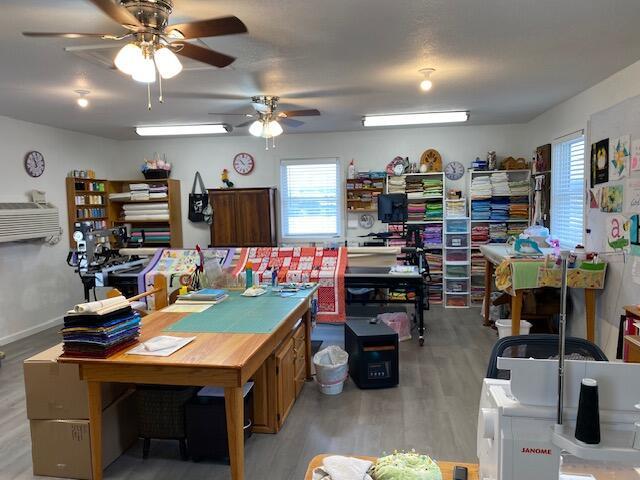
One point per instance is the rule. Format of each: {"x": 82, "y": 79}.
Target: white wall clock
{"x": 454, "y": 170}
{"x": 366, "y": 221}
{"x": 34, "y": 163}
{"x": 243, "y": 163}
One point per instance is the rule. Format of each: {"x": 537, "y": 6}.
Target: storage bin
{"x": 457, "y": 256}
{"x": 456, "y": 285}
{"x": 460, "y": 271}
{"x": 457, "y": 300}
{"x": 457, "y": 240}
{"x": 504, "y": 327}
{"x": 456, "y": 226}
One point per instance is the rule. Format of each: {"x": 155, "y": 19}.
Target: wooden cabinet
{"x": 278, "y": 382}
{"x": 243, "y": 217}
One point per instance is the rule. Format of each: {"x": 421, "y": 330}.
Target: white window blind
{"x": 567, "y": 191}
{"x": 310, "y": 198}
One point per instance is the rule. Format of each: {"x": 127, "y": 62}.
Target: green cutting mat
{"x": 238, "y": 314}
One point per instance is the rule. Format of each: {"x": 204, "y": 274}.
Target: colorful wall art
{"x": 600, "y": 162}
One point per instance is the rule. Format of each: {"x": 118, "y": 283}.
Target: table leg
{"x": 488, "y": 285}
{"x": 590, "y": 313}
{"x": 95, "y": 428}
{"x": 307, "y": 345}
{"x": 516, "y": 312}
{"x": 234, "y": 406}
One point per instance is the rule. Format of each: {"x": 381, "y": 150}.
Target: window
{"x": 567, "y": 191}
{"x": 310, "y": 198}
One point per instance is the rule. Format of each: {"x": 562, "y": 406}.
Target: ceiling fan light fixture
{"x": 167, "y": 62}
{"x": 272, "y": 129}
{"x": 256, "y": 128}
{"x": 128, "y": 58}
{"x": 414, "y": 119}
{"x": 145, "y": 71}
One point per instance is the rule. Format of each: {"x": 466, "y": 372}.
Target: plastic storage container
{"x": 504, "y": 327}
{"x": 457, "y": 300}
{"x": 457, "y": 271}
{"x": 457, "y": 256}
{"x": 457, "y": 240}
{"x": 456, "y": 226}
{"x": 457, "y": 285}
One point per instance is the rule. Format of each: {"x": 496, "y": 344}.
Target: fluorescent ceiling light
{"x": 414, "y": 119}
{"x": 182, "y": 130}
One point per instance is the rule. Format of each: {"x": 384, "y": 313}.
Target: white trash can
{"x": 504, "y": 327}
{"x": 332, "y": 365}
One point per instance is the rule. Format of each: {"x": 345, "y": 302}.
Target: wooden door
{"x": 285, "y": 379}
{"x": 254, "y": 212}
{"x": 223, "y": 228}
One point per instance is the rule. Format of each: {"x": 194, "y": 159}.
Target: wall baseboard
{"x": 31, "y": 331}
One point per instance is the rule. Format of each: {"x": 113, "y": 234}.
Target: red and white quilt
{"x": 324, "y": 266}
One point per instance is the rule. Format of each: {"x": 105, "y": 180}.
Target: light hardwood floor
{"x": 434, "y": 410}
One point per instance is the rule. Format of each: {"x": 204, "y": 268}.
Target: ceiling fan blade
{"x": 248, "y": 115}
{"x": 312, "y": 112}
{"x": 105, "y": 36}
{"x": 207, "y": 28}
{"x": 118, "y": 13}
{"x": 290, "y": 122}
{"x": 245, "y": 124}
{"x": 205, "y": 55}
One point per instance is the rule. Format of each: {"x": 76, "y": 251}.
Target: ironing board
{"x": 528, "y": 273}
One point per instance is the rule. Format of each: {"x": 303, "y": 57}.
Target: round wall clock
{"x": 366, "y": 221}
{"x": 243, "y": 163}
{"x": 34, "y": 163}
{"x": 454, "y": 170}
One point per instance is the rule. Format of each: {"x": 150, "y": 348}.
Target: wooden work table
{"x": 445, "y": 467}
{"x": 632, "y": 342}
{"x": 494, "y": 254}
{"x": 221, "y": 359}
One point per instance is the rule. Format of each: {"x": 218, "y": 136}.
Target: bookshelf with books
{"x": 499, "y": 206}
{"x": 362, "y": 192}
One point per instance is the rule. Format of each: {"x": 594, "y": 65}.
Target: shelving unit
{"x": 434, "y": 248}
{"x": 481, "y": 228}
{"x": 362, "y": 193}
{"x": 86, "y": 202}
{"x": 457, "y": 262}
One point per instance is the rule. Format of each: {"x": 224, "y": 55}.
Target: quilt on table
{"x": 324, "y": 266}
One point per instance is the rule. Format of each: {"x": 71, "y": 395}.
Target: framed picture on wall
{"x": 599, "y": 162}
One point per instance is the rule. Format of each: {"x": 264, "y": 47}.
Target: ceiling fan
{"x": 153, "y": 42}
{"x": 266, "y": 122}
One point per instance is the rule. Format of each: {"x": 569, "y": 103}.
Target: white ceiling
{"x": 506, "y": 61}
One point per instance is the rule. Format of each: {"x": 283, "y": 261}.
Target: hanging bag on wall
{"x": 199, "y": 208}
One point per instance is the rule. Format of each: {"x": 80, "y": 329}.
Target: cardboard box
{"x": 54, "y": 390}
{"x": 62, "y": 448}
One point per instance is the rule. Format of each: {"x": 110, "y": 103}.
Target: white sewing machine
{"x": 518, "y": 438}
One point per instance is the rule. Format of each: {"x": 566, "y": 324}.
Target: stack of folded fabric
{"x": 397, "y": 236}
{"x": 158, "y": 191}
{"x": 416, "y": 211}
{"x": 481, "y": 209}
{"x": 434, "y": 260}
{"x": 479, "y": 235}
{"x": 481, "y": 187}
{"x": 100, "y": 329}
{"x": 477, "y": 291}
{"x": 413, "y": 187}
{"x": 432, "y": 235}
{"x": 435, "y": 289}
{"x": 519, "y": 187}
{"x": 478, "y": 264}
{"x": 120, "y": 196}
{"x": 500, "y": 208}
{"x": 498, "y": 232}
{"x": 155, "y": 212}
{"x": 151, "y": 235}
{"x": 432, "y": 187}
{"x": 433, "y": 210}
{"x": 515, "y": 229}
{"x": 518, "y": 208}
{"x": 456, "y": 208}
{"x": 139, "y": 191}
{"x": 500, "y": 183}
{"x": 396, "y": 184}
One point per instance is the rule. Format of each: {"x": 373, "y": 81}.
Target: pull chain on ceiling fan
{"x": 154, "y": 44}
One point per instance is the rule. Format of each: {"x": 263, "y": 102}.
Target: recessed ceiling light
{"x": 171, "y": 130}
{"x": 426, "y": 84}
{"x": 82, "y": 101}
{"x": 414, "y": 119}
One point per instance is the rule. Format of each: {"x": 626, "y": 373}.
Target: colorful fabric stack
{"x": 500, "y": 183}
{"x": 432, "y": 187}
{"x": 434, "y": 260}
{"x": 396, "y": 184}
{"x": 435, "y": 289}
{"x": 477, "y": 290}
{"x": 100, "y": 329}
{"x": 432, "y": 235}
{"x": 478, "y": 264}
{"x": 515, "y": 229}
{"x": 158, "y": 191}
{"x": 397, "y": 236}
{"x": 518, "y": 208}
{"x": 481, "y": 187}
{"x": 433, "y": 210}
{"x": 151, "y": 235}
{"x": 498, "y": 232}
{"x": 481, "y": 209}
{"x": 139, "y": 191}
{"x": 413, "y": 187}
{"x": 416, "y": 211}
{"x": 479, "y": 235}
{"x": 500, "y": 208}
{"x": 519, "y": 187}
{"x": 456, "y": 208}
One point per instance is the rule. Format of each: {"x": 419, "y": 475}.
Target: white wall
{"x": 568, "y": 117}
{"x": 36, "y": 285}
{"x": 372, "y": 150}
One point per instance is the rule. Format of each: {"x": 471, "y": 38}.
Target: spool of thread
{"x": 249, "y": 275}
{"x": 588, "y": 421}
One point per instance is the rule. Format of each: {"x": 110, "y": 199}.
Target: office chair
{"x": 540, "y": 346}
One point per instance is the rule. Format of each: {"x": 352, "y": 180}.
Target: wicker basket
{"x": 157, "y": 174}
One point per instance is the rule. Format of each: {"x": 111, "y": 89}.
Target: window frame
{"x": 284, "y": 236}
{"x": 567, "y": 140}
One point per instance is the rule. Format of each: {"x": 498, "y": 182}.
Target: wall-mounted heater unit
{"x": 29, "y": 220}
